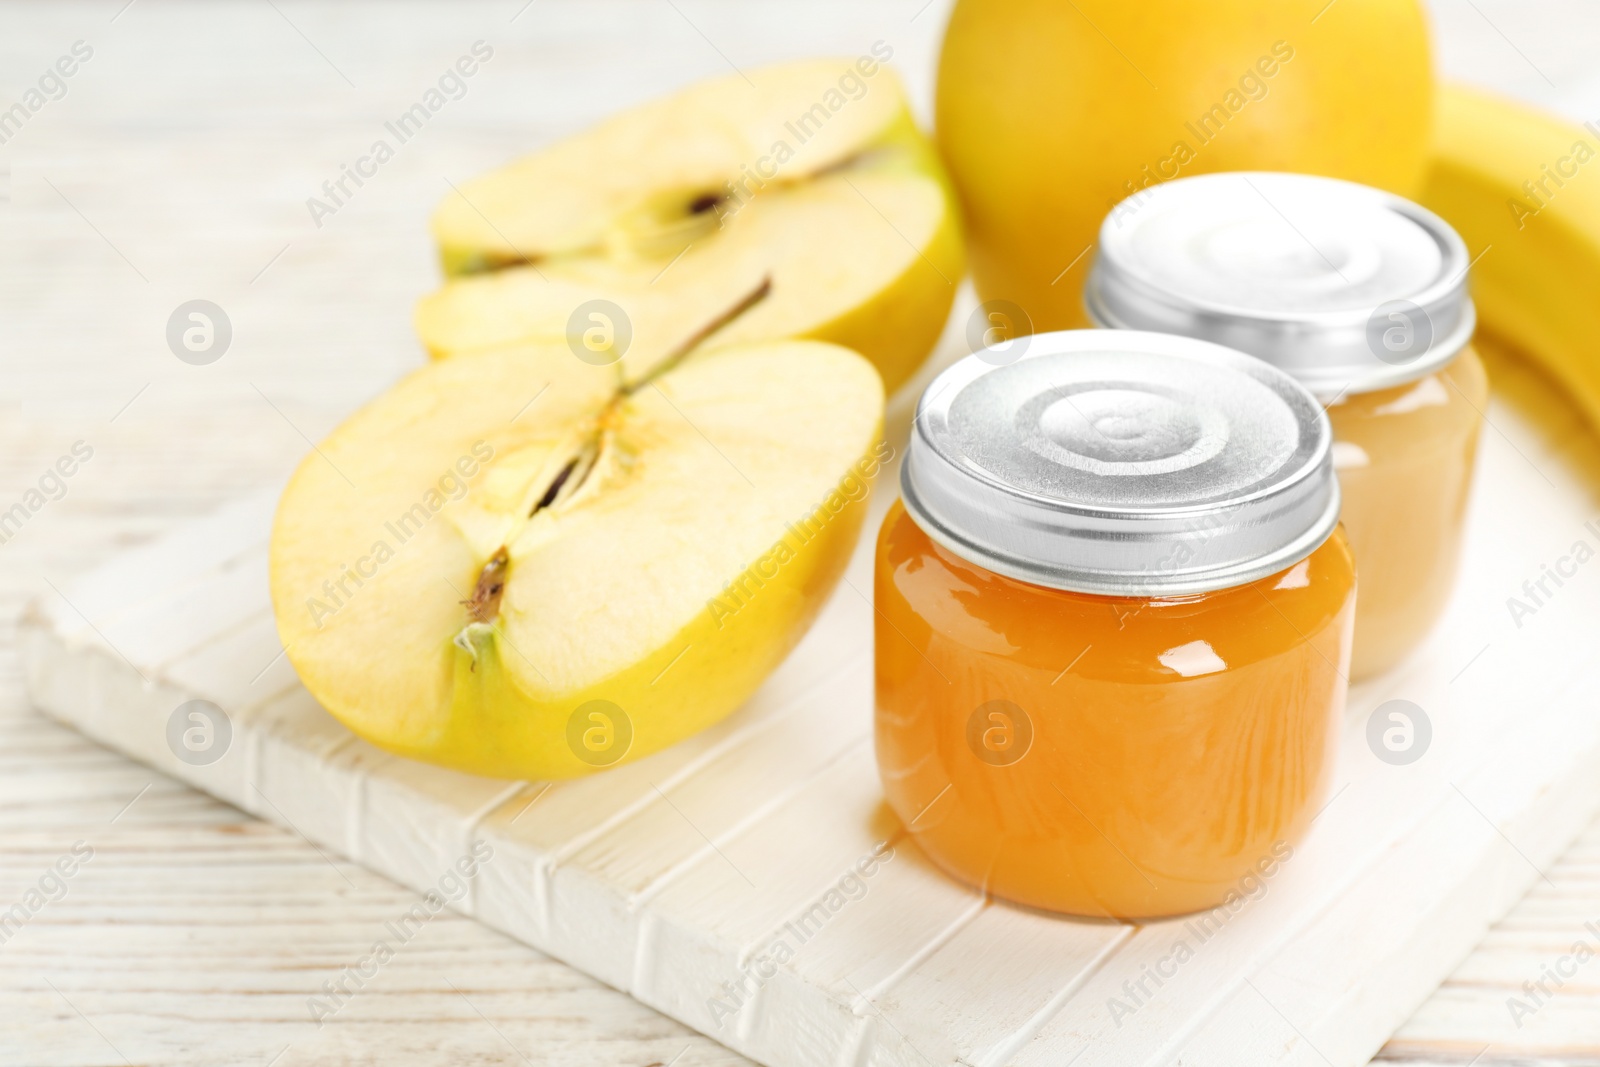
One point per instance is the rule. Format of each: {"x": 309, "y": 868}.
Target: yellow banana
{"x": 1523, "y": 189}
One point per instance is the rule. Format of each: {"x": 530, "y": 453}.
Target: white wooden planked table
{"x": 176, "y": 167}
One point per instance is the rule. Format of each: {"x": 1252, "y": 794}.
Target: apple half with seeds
{"x": 521, "y": 565}
{"x": 812, "y": 174}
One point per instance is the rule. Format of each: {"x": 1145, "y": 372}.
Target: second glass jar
{"x": 1360, "y": 296}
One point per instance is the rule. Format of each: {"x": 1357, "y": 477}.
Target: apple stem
{"x": 696, "y": 339}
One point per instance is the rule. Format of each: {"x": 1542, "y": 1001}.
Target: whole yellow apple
{"x": 1051, "y": 112}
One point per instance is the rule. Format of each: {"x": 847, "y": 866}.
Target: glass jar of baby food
{"x": 1362, "y": 297}
{"x": 1114, "y": 618}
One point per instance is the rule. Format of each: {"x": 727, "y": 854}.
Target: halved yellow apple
{"x": 520, "y": 565}
{"x": 811, "y": 174}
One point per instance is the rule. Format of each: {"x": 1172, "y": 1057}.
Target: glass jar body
{"x": 1405, "y": 457}
{"x": 1106, "y": 756}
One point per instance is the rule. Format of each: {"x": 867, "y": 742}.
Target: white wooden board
{"x": 673, "y": 878}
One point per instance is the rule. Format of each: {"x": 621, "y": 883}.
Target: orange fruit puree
{"x": 1404, "y": 458}
{"x": 1106, "y": 756}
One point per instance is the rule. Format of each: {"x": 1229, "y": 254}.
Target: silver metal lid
{"x": 1122, "y": 463}
{"x": 1348, "y": 288}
